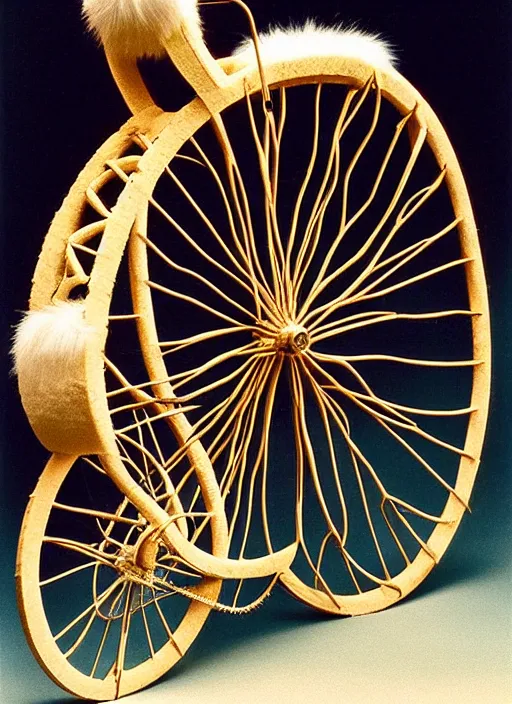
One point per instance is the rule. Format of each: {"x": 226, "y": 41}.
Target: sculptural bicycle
{"x": 220, "y": 356}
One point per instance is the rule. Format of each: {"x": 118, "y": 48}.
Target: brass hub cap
{"x": 291, "y": 339}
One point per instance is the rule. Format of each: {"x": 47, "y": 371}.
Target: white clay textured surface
{"x": 136, "y": 28}
{"x": 313, "y": 39}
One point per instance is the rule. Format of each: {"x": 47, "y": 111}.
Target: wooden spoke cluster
{"x": 294, "y": 317}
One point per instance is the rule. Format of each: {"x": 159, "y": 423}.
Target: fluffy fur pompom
{"x": 48, "y": 342}
{"x": 136, "y": 28}
{"x": 312, "y": 39}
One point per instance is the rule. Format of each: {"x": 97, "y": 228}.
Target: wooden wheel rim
{"x": 405, "y": 98}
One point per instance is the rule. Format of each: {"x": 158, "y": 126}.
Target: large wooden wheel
{"x": 308, "y": 274}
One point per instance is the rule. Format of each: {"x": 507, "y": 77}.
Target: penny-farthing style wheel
{"x": 107, "y": 605}
{"x": 309, "y": 275}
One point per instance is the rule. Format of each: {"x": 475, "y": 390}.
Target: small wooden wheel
{"x": 98, "y": 591}
{"x": 309, "y": 275}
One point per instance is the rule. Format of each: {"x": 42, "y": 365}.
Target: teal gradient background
{"x": 451, "y": 641}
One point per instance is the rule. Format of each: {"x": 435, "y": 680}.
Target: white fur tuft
{"x": 137, "y": 28}
{"x": 48, "y": 341}
{"x": 312, "y": 39}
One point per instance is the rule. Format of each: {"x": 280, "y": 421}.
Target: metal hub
{"x": 292, "y": 339}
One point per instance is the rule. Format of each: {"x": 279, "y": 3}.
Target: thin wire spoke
{"x": 194, "y": 301}
{"x": 310, "y": 241}
{"x": 101, "y": 646}
{"x": 199, "y": 429}
{"x": 177, "y": 345}
{"x": 123, "y": 640}
{"x": 240, "y": 475}
{"x": 356, "y": 454}
{"x": 412, "y": 280}
{"x": 239, "y": 417}
{"x": 147, "y": 631}
{"x": 243, "y": 210}
{"x": 273, "y": 240}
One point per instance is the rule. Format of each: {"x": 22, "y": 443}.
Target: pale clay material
{"x": 137, "y": 28}
{"x": 53, "y": 410}
{"x": 314, "y": 39}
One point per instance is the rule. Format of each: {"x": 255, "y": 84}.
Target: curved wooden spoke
{"x": 320, "y": 281}
{"x": 96, "y": 604}
{"x": 357, "y": 454}
{"x": 325, "y": 192}
{"x": 346, "y": 324}
{"x": 297, "y": 392}
{"x": 215, "y": 414}
{"x": 304, "y": 186}
{"x": 412, "y": 427}
{"x": 241, "y": 200}
{"x": 406, "y": 360}
{"x": 194, "y": 301}
{"x": 304, "y": 315}
{"x": 195, "y": 275}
